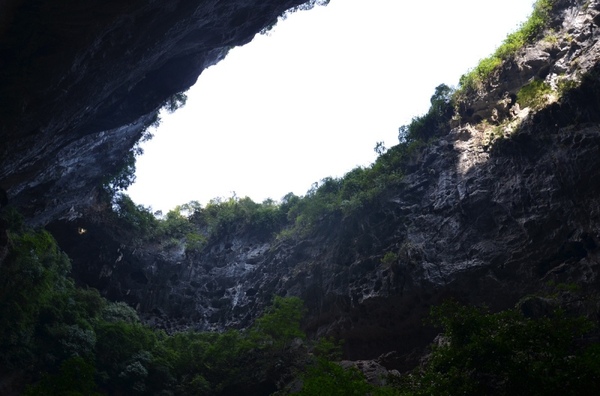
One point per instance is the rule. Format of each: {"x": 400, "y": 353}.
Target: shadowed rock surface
{"x": 483, "y": 215}
{"x": 79, "y": 81}
{"x": 481, "y": 219}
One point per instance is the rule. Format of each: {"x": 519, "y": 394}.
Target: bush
{"x": 69, "y": 341}
{"x": 435, "y": 122}
{"x": 331, "y": 379}
{"x": 506, "y": 353}
{"x": 526, "y": 34}
{"x": 280, "y": 324}
{"x": 535, "y": 94}
{"x": 136, "y": 219}
{"x": 33, "y": 273}
{"x": 75, "y": 378}
{"x": 235, "y": 214}
{"x": 119, "y": 312}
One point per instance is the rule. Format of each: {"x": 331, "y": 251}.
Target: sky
{"x": 313, "y": 97}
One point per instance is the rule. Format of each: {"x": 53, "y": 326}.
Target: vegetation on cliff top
{"x": 194, "y": 225}
{"x": 526, "y": 34}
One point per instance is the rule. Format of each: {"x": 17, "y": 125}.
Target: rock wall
{"x": 483, "y": 220}
{"x": 486, "y": 214}
{"x": 566, "y": 51}
{"x": 80, "y": 80}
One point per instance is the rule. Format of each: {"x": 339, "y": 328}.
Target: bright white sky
{"x": 312, "y": 99}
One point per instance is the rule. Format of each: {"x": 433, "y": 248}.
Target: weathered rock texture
{"x": 568, "y": 49}
{"x": 482, "y": 220}
{"x": 79, "y": 80}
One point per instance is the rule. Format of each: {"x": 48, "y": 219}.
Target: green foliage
{"x": 328, "y": 348}
{"x": 116, "y": 312}
{"x": 195, "y": 226}
{"x": 281, "y": 323}
{"x": 12, "y": 219}
{"x": 192, "y": 225}
{"x": 123, "y": 354}
{"x": 506, "y": 353}
{"x": 123, "y": 174}
{"x": 327, "y": 378}
{"x": 358, "y": 189}
{"x": 526, "y": 34}
{"x": 362, "y": 186}
{"x": 220, "y": 216}
{"x": 195, "y": 242}
{"x": 75, "y": 378}
{"x": 175, "y": 224}
{"x": 136, "y": 219}
{"x": 535, "y": 94}
{"x": 528, "y": 31}
{"x": 32, "y": 274}
{"x": 70, "y": 341}
{"x": 380, "y": 148}
{"x": 473, "y": 80}
{"x": 322, "y": 200}
{"x": 211, "y": 363}
{"x": 564, "y": 85}
{"x": 389, "y": 259}
{"x": 123, "y": 177}
{"x": 435, "y": 122}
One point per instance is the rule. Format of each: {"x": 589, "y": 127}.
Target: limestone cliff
{"x": 501, "y": 204}
{"x": 494, "y": 208}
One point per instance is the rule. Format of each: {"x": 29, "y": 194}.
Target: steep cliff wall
{"x": 497, "y": 207}
{"x": 80, "y": 80}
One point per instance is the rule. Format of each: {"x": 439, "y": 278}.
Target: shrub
{"x": 389, "y": 259}
{"x": 69, "y": 341}
{"x": 535, "y": 94}
{"x": 75, "y": 378}
{"x": 175, "y": 102}
{"x": 280, "y": 324}
{"x": 136, "y": 219}
{"x": 331, "y": 379}
{"x": 434, "y": 122}
{"x": 526, "y": 34}
{"x": 119, "y": 312}
{"x": 506, "y": 353}
{"x": 31, "y": 275}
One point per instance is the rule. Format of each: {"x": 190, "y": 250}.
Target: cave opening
{"x": 311, "y": 98}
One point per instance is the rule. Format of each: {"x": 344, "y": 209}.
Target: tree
{"x": 425, "y": 127}
{"x": 281, "y": 323}
{"x": 380, "y": 148}
{"x": 175, "y": 102}
{"x": 506, "y": 353}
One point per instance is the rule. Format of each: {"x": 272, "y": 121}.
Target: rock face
{"x": 567, "y": 50}
{"x": 480, "y": 221}
{"x": 483, "y": 227}
{"x": 79, "y": 81}
{"x": 480, "y": 218}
